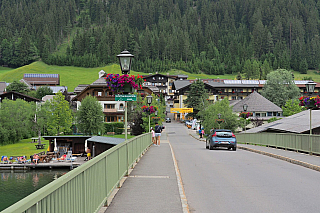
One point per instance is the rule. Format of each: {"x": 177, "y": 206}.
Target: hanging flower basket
{"x": 310, "y": 102}
{"x": 124, "y": 83}
{"x": 150, "y": 109}
{"x": 245, "y": 115}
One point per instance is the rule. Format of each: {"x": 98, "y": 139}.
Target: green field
{"x": 73, "y": 76}
{"x": 24, "y": 147}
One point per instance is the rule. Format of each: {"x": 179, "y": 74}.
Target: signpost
{"x": 126, "y": 98}
{"x": 181, "y": 110}
{"x": 219, "y": 121}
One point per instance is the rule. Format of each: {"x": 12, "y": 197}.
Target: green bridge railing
{"x": 86, "y": 188}
{"x": 297, "y": 142}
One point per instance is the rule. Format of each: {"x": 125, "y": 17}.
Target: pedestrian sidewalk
{"x": 152, "y": 184}
{"x": 302, "y": 159}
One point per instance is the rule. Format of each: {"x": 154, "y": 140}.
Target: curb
{"x": 290, "y": 160}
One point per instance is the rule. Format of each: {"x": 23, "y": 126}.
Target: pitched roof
{"x": 3, "y": 86}
{"x": 297, "y": 123}
{"x": 106, "y": 140}
{"x": 26, "y": 83}
{"x": 47, "y": 97}
{"x": 12, "y": 95}
{"x": 56, "y": 89}
{"x": 100, "y": 81}
{"x": 42, "y": 79}
{"x": 256, "y": 103}
{"x": 177, "y": 85}
{"x": 80, "y": 87}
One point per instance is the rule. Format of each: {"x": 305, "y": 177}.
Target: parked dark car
{"x": 221, "y": 138}
{"x": 168, "y": 120}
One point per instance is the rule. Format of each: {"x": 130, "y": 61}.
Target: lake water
{"x": 15, "y": 185}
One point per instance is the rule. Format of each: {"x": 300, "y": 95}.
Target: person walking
{"x": 158, "y": 130}
{"x": 153, "y": 137}
{"x": 200, "y": 133}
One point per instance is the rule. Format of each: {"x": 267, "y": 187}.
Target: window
{"x": 234, "y": 98}
{"x": 240, "y": 98}
{"x": 263, "y": 114}
{"x": 99, "y": 93}
{"x": 121, "y": 106}
{"x": 258, "y": 114}
{"x": 269, "y": 114}
{"x": 274, "y": 113}
{"x": 109, "y": 106}
{"x": 111, "y": 118}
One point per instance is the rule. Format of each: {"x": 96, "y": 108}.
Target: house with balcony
{"x": 164, "y": 84}
{"x": 232, "y": 90}
{"x": 36, "y": 80}
{"x": 113, "y": 110}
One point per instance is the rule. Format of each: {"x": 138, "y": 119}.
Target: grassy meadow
{"x": 73, "y": 76}
{"x": 24, "y": 147}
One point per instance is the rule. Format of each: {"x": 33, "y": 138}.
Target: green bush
{"x": 117, "y": 127}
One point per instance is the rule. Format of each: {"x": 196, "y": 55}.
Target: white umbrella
{"x": 55, "y": 145}
{"x": 85, "y": 145}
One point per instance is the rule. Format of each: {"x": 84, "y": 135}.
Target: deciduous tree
{"x": 280, "y": 87}
{"x": 210, "y": 115}
{"x": 291, "y": 107}
{"x": 197, "y": 98}
{"x": 90, "y": 117}
{"x": 59, "y": 115}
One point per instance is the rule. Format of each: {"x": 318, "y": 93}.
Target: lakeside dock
{"x": 50, "y": 165}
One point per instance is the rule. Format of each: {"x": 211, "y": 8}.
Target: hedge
{"x": 117, "y": 127}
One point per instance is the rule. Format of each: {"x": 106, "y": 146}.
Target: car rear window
{"x": 224, "y": 134}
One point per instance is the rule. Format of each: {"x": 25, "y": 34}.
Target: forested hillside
{"x": 211, "y": 36}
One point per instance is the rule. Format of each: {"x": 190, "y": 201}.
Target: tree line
{"x": 249, "y": 37}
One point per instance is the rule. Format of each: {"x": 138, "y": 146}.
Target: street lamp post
{"x": 149, "y": 101}
{"x": 125, "y": 59}
{"x": 310, "y": 89}
{"x": 245, "y": 107}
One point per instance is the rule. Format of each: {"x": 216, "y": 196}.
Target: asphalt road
{"x": 241, "y": 181}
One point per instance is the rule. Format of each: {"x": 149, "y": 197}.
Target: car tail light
{"x": 214, "y": 135}
{"x": 233, "y": 135}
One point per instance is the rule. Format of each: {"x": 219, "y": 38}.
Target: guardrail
{"x": 86, "y": 188}
{"x": 297, "y": 142}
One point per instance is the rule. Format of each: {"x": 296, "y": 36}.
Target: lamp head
{"x": 125, "y": 59}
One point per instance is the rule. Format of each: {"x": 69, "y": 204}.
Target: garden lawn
{"x": 24, "y": 147}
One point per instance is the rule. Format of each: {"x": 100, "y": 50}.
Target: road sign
{"x": 125, "y": 97}
{"x": 181, "y": 110}
{"x": 219, "y": 121}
